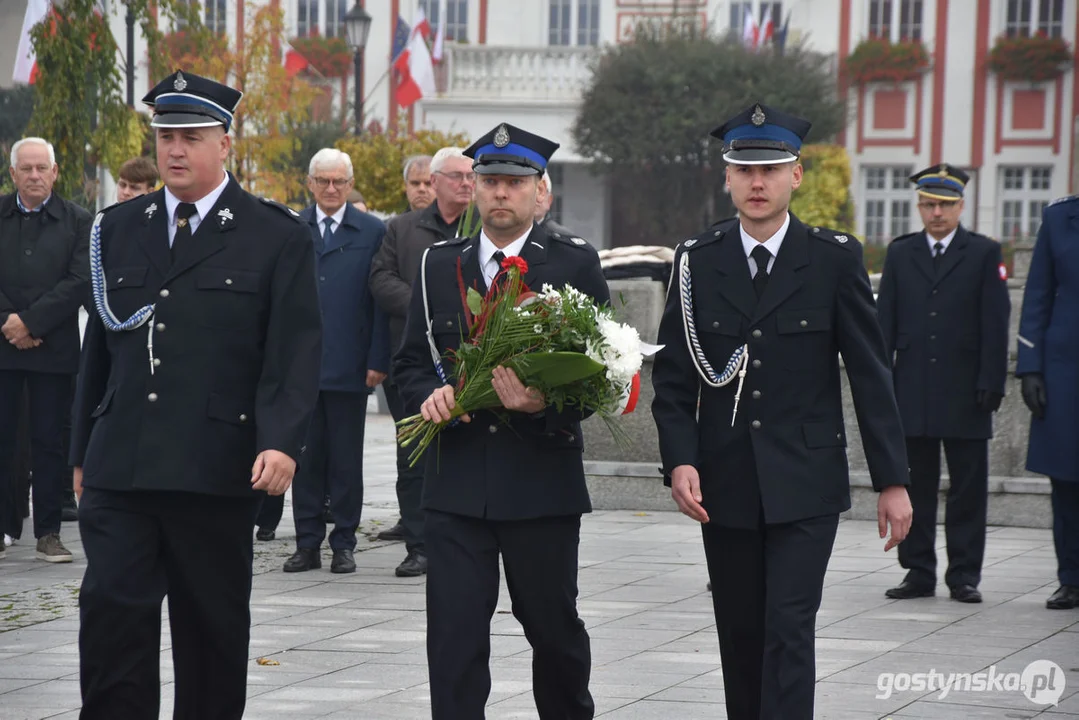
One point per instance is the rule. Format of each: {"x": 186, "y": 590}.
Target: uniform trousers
{"x": 331, "y": 465}
{"x": 409, "y": 479}
{"x": 1066, "y": 530}
{"x": 540, "y": 558}
{"x": 767, "y": 584}
{"x": 965, "y": 510}
{"x": 144, "y": 546}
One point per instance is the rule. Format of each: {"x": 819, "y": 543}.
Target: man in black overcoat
{"x": 750, "y": 416}
{"x": 509, "y": 484}
{"x": 943, "y": 306}
{"x": 199, "y": 376}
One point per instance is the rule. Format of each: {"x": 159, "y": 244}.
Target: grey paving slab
{"x": 354, "y": 645}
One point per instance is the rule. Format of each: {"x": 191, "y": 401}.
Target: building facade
{"x": 526, "y": 61}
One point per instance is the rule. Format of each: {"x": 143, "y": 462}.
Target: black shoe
{"x": 69, "y": 509}
{"x": 265, "y": 535}
{"x": 1065, "y": 598}
{"x": 966, "y": 594}
{"x": 302, "y": 560}
{"x": 397, "y": 532}
{"x": 342, "y": 562}
{"x": 414, "y": 565}
{"x": 907, "y": 590}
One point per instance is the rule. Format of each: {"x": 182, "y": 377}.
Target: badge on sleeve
{"x": 1003, "y": 271}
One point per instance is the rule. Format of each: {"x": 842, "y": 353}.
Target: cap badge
{"x": 179, "y": 84}
{"x": 502, "y": 137}
{"x": 150, "y": 210}
{"x": 758, "y": 116}
{"x": 943, "y": 170}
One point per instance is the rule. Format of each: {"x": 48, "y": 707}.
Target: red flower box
{"x": 1035, "y": 59}
{"x": 878, "y": 60}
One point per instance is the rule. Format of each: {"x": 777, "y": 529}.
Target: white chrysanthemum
{"x": 621, "y": 350}
{"x": 538, "y": 329}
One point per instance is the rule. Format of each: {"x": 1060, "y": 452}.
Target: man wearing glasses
{"x": 944, "y": 309}
{"x": 355, "y": 359}
{"x": 393, "y": 270}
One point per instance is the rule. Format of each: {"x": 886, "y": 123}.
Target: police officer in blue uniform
{"x": 511, "y": 483}
{"x": 1049, "y": 367}
{"x": 943, "y": 307}
{"x": 750, "y": 418}
{"x": 199, "y": 375}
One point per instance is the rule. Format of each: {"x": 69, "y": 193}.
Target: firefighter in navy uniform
{"x": 758, "y": 311}
{"x": 943, "y": 307}
{"x": 515, "y": 488}
{"x": 199, "y": 376}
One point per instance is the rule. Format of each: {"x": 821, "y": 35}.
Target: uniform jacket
{"x": 533, "y": 466}
{"x": 1049, "y": 340}
{"x": 355, "y": 332}
{"x": 44, "y": 281}
{"x": 398, "y": 262}
{"x": 786, "y": 453}
{"x": 947, "y": 330}
{"x": 236, "y": 347}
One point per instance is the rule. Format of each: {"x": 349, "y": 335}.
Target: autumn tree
{"x": 645, "y": 120}
{"x": 378, "y": 160}
{"x": 16, "y": 104}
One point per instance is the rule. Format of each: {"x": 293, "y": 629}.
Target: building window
{"x": 456, "y": 18}
{"x": 1024, "y": 193}
{"x": 214, "y": 15}
{"x": 573, "y": 22}
{"x": 765, "y": 9}
{"x": 180, "y": 22}
{"x": 886, "y": 203}
{"x": 335, "y": 17}
{"x": 307, "y": 17}
{"x": 895, "y": 20}
{"x": 1034, "y": 17}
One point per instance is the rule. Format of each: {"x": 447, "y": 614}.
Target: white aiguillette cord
{"x": 101, "y": 296}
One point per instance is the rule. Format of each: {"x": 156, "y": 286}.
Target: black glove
{"x": 989, "y": 400}
{"x": 1034, "y": 394}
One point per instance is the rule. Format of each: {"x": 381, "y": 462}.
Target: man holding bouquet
{"x": 508, "y": 481}
{"x": 750, "y": 415}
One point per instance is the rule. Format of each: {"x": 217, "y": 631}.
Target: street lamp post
{"x": 130, "y": 70}
{"x": 357, "y": 27}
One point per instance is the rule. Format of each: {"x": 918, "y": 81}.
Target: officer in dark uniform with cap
{"x": 943, "y": 306}
{"x": 750, "y": 417}
{"x": 510, "y": 483}
{"x": 199, "y": 376}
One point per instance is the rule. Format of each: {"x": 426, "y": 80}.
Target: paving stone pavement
{"x": 352, "y": 646}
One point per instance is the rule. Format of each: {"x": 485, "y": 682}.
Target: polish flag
{"x": 421, "y": 26}
{"x": 766, "y": 32}
{"x": 416, "y": 73}
{"x": 750, "y": 30}
{"x": 25, "y": 65}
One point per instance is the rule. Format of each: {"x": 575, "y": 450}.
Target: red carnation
{"x": 517, "y": 262}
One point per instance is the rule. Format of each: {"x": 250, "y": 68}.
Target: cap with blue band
{"x": 760, "y": 135}
{"x": 941, "y": 182}
{"x": 508, "y": 150}
{"x": 188, "y": 100}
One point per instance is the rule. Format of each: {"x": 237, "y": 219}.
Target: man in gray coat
{"x": 392, "y": 272}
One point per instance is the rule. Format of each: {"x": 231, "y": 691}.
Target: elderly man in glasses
{"x": 355, "y": 359}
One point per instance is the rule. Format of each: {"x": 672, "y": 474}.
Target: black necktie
{"x": 938, "y": 253}
{"x": 498, "y": 257}
{"x": 184, "y": 212}
{"x": 327, "y": 236}
{"x": 761, "y": 256}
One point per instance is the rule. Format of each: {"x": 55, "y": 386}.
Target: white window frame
{"x": 900, "y": 13}
{"x": 575, "y": 28}
{"x": 1023, "y": 191}
{"x": 322, "y": 23}
{"x": 206, "y": 4}
{"x": 1032, "y": 25}
{"x": 456, "y": 31}
{"x": 896, "y": 201}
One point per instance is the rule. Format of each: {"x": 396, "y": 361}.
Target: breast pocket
{"x": 227, "y": 298}
{"x": 446, "y": 328}
{"x": 126, "y": 289}
{"x": 805, "y": 337}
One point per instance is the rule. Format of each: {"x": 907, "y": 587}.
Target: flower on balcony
{"x": 329, "y": 56}
{"x": 184, "y": 46}
{"x": 1035, "y": 59}
{"x": 879, "y": 60}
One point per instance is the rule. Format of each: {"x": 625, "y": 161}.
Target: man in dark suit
{"x": 43, "y": 282}
{"x": 509, "y": 483}
{"x": 392, "y": 273}
{"x": 943, "y": 306}
{"x": 1048, "y": 366}
{"x": 199, "y": 376}
{"x": 355, "y": 359}
{"x": 758, "y": 312}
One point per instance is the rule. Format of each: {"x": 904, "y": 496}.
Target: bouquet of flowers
{"x": 557, "y": 341}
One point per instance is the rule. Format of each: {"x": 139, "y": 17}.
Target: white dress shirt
{"x": 202, "y": 207}
{"x": 487, "y": 250}
{"x": 945, "y": 241}
{"x": 772, "y": 243}
{"x": 338, "y": 218}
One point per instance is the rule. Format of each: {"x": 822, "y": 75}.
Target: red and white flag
{"x": 25, "y": 65}
{"x": 440, "y": 34}
{"x": 421, "y": 26}
{"x": 767, "y": 30}
{"x": 416, "y": 72}
{"x": 750, "y": 30}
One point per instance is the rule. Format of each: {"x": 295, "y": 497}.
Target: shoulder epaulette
{"x": 450, "y": 241}
{"x": 710, "y": 235}
{"x": 904, "y": 237}
{"x": 283, "y": 208}
{"x": 571, "y": 240}
{"x": 831, "y": 236}
{"x": 717, "y": 223}
{"x": 1065, "y": 199}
